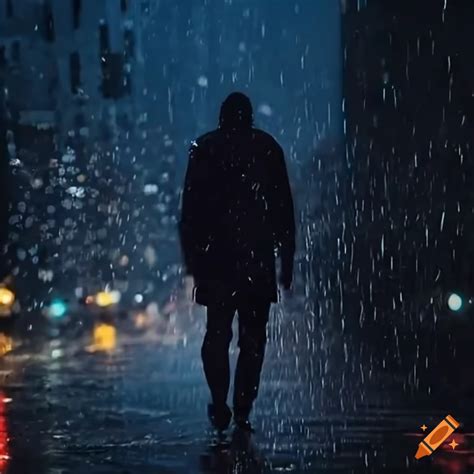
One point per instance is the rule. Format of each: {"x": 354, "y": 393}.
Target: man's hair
{"x": 236, "y": 112}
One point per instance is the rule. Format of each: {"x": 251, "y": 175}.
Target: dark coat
{"x": 237, "y": 213}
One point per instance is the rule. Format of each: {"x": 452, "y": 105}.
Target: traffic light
{"x": 57, "y": 309}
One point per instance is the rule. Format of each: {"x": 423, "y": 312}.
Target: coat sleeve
{"x": 190, "y": 222}
{"x": 284, "y": 215}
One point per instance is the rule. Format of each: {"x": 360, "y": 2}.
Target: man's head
{"x": 236, "y": 112}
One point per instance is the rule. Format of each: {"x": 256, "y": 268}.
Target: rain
{"x": 100, "y": 349}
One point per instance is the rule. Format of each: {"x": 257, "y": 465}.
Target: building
{"x": 73, "y": 65}
{"x": 409, "y": 108}
{"x": 71, "y": 74}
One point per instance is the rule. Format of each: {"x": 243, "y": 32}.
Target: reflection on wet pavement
{"x": 110, "y": 401}
{"x": 4, "y": 436}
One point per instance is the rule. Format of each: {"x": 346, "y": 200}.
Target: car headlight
{"x": 107, "y": 298}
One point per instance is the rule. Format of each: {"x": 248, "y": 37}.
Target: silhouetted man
{"x": 237, "y": 214}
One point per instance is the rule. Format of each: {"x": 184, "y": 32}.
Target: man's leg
{"x": 253, "y": 319}
{"x": 215, "y": 358}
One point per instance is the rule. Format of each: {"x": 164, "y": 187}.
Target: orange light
{"x": 7, "y": 297}
{"x": 6, "y": 344}
{"x": 105, "y": 337}
{"x": 140, "y": 320}
{"x": 89, "y": 299}
{"x": 107, "y": 298}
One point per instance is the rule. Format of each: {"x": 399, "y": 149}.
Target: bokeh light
{"x": 57, "y": 309}
{"x": 454, "y": 302}
{"x": 104, "y": 337}
{"x": 107, "y": 298}
{"x": 7, "y": 297}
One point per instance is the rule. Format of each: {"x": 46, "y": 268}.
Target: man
{"x": 237, "y": 213}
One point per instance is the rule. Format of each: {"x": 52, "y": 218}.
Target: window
{"x": 129, "y": 42}
{"x": 3, "y": 58}
{"x": 75, "y": 72}
{"x": 76, "y": 13}
{"x": 104, "y": 43}
{"x": 9, "y": 8}
{"x": 112, "y": 76}
{"x": 48, "y": 19}
{"x": 114, "y": 84}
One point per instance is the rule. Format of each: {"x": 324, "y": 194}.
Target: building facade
{"x": 75, "y": 66}
{"x": 408, "y": 93}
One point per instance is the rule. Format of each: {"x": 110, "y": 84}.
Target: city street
{"x": 137, "y": 404}
{"x": 320, "y": 147}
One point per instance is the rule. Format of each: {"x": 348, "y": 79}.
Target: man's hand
{"x": 189, "y": 287}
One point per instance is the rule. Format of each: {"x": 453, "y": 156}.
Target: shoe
{"x": 219, "y": 416}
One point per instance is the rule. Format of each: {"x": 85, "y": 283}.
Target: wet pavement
{"x": 135, "y": 403}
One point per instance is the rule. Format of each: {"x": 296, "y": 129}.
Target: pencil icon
{"x": 436, "y": 437}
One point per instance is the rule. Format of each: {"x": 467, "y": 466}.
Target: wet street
{"x": 128, "y": 403}
{"x": 145, "y": 141}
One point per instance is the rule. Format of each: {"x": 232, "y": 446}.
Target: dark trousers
{"x": 253, "y": 319}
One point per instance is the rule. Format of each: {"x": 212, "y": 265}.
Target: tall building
{"x": 71, "y": 74}
{"x": 408, "y": 100}
{"x": 73, "y": 65}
